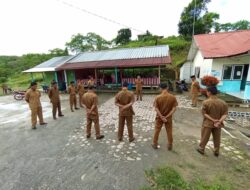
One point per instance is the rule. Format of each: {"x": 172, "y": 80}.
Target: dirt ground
{"x": 59, "y": 156}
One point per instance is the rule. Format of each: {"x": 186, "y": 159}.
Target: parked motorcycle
{"x": 181, "y": 86}
{"x": 19, "y": 95}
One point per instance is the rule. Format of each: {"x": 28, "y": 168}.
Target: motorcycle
{"x": 19, "y": 95}
{"x": 181, "y": 86}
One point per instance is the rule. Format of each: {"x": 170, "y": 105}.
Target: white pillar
{"x": 65, "y": 78}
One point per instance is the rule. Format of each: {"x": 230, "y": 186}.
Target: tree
{"x": 59, "y": 52}
{"x": 240, "y": 25}
{"x": 123, "y": 36}
{"x": 90, "y": 42}
{"x": 204, "y": 20}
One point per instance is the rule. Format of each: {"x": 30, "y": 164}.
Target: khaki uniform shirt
{"x": 54, "y": 95}
{"x": 139, "y": 84}
{"x": 215, "y": 108}
{"x": 89, "y": 99}
{"x": 165, "y": 102}
{"x": 195, "y": 88}
{"x": 80, "y": 89}
{"x": 72, "y": 90}
{"x": 125, "y": 97}
{"x": 91, "y": 83}
{"x": 33, "y": 98}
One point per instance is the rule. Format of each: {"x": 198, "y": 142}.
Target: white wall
{"x": 217, "y": 66}
{"x": 204, "y": 64}
{"x": 185, "y": 71}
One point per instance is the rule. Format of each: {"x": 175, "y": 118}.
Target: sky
{"x": 37, "y": 26}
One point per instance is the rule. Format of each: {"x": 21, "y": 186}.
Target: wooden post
{"x": 55, "y": 76}
{"x": 121, "y": 70}
{"x": 116, "y": 76}
{"x": 159, "y": 74}
{"x": 43, "y": 77}
{"x": 65, "y": 79}
{"x": 95, "y": 75}
{"x": 32, "y": 79}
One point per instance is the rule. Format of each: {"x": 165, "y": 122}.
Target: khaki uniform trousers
{"x": 34, "y": 113}
{"x": 72, "y": 101}
{"x": 95, "y": 120}
{"x": 56, "y": 106}
{"x": 194, "y": 99}
{"x": 129, "y": 122}
{"x": 205, "y": 135}
{"x": 168, "y": 126}
{"x": 139, "y": 94}
{"x": 80, "y": 99}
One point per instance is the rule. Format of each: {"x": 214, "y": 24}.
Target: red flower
{"x": 209, "y": 81}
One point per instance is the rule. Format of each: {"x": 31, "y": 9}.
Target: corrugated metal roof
{"x": 126, "y": 53}
{"x": 223, "y": 44}
{"x": 144, "y": 62}
{"x": 50, "y": 65}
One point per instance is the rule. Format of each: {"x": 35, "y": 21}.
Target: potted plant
{"x": 208, "y": 81}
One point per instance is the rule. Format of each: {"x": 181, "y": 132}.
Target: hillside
{"x": 11, "y": 67}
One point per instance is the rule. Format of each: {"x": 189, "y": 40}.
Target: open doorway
{"x": 244, "y": 77}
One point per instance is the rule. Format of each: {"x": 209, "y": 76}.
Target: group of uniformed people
{"x": 214, "y": 110}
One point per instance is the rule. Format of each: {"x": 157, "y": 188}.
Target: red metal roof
{"x": 145, "y": 62}
{"x": 223, "y": 44}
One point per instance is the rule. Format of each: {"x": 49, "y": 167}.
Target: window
{"x": 197, "y": 72}
{"x": 227, "y": 72}
{"x": 232, "y": 72}
{"x": 238, "y": 71}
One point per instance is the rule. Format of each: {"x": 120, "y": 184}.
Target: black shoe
{"x": 43, "y": 123}
{"x": 120, "y": 139}
{"x": 61, "y": 115}
{"x": 131, "y": 140}
{"x": 54, "y": 118}
{"x": 33, "y": 127}
{"x": 154, "y": 146}
{"x": 216, "y": 154}
{"x": 170, "y": 148}
{"x": 100, "y": 137}
{"x": 77, "y": 108}
{"x": 200, "y": 151}
{"x": 72, "y": 110}
{"x": 88, "y": 136}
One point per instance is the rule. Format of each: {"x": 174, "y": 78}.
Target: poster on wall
{"x": 215, "y": 73}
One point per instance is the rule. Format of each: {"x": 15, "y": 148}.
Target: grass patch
{"x": 168, "y": 178}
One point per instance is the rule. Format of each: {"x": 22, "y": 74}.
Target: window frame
{"x": 232, "y": 72}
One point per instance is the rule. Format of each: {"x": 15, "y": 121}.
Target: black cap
{"x": 163, "y": 85}
{"x": 33, "y": 83}
{"x": 193, "y": 76}
{"x": 53, "y": 82}
{"x": 125, "y": 84}
{"x": 72, "y": 82}
{"x": 212, "y": 89}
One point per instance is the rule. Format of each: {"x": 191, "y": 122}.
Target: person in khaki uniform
{"x": 72, "y": 96}
{"x": 91, "y": 82}
{"x": 80, "y": 89}
{"x": 165, "y": 105}
{"x": 139, "y": 85}
{"x": 124, "y": 100}
{"x": 214, "y": 113}
{"x": 32, "y": 97}
{"x": 195, "y": 89}
{"x": 90, "y": 101}
{"x": 55, "y": 100}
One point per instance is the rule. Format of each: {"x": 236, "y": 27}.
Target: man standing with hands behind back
{"x": 124, "y": 100}
{"x": 55, "y": 100}
{"x": 165, "y": 105}
{"x": 32, "y": 97}
{"x": 214, "y": 113}
{"x": 138, "y": 85}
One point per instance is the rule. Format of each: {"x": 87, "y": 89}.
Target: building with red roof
{"x": 225, "y": 55}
